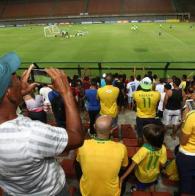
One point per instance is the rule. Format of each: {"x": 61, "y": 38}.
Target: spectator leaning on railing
{"x": 28, "y": 148}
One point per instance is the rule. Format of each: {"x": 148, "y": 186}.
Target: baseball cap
{"x": 9, "y": 63}
{"x": 146, "y": 83}
{"x": 103, "y": 75}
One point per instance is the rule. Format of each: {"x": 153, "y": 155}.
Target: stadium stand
{"x": 104, "y": 7}
{"x": 185, "y": 6}
{"x": 13, "y": 10}
{"x": 69, "y": 7}
{"x": 22, "y": 9}
{"x": 37, "y": 8}
{"x": 148, "y": 6}
{"x": 47, "y": 8}
{"x": 30, "y": 8}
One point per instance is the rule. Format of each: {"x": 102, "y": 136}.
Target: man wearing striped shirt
{"x": 28, "y": 148}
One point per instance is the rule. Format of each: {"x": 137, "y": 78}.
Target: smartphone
{"x": 40, "y": 76}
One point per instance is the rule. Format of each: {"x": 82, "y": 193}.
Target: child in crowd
{"x": 149, "y": 159}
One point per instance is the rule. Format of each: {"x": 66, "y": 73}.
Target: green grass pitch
{"x": 104, "y": 42}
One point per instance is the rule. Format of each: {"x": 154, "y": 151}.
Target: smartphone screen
{"x": 40, "y": 76}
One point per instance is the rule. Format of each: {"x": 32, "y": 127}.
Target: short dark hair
{"x": 109, "y": 79}
{"x": 176, "y": 81}
{"x": 132, "y": 78}
{"x": 154, "y": 134}
{"x": 155, "y": 76}
{"x": 167, "y": 86}
{"x": 184, "y": 77}
{"x": 93, "y": 82}
{"x": 138, "y": 77}
{"x": 161, "y": 80}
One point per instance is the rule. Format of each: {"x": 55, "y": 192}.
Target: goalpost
{"x": 51, "y": 31}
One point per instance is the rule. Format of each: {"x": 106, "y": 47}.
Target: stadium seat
{"x": 141, "y": 193}
{"x": 168, "y": 182}
{"x": 115, "y": 133}
{"x": 127, "y": 131}
{"x": 68, "y": 167}
{"x": 72, "y": 190}
{"x": 86, "y": 127}
{"x": 130, "y": 142}
{"x": 170, "y": 154}
{"x": 148, "y": 6}
{"x": 160, "y": 194}
{"x": 131, "y": 151}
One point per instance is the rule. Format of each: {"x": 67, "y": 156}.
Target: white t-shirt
{"x": 34, "y": 103}
{"x": 27, "y": 163}
{"x": 44, "y": 91}
{"x": 131, "y": 87}
{"x": 160, "y": 88}
{"x": 160, "y": 105}
{"x": 137, "y": 83}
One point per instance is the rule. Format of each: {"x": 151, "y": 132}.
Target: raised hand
{"x": 60, "y": 82}
{"x": 26, "y": 87}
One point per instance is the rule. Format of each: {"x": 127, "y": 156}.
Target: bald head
{"x": 103, "y": 124}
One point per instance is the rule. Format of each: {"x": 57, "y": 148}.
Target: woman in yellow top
{"x": 186, "y": 157}
{"x": 149, "y": 158}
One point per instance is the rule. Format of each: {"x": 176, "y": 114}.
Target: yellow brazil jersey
{"x": 108, "y": 100}
{"x": 148, "y": 162}
{"x": 189, "y": 129}
{"x": 146, "y": 102}
{"x": 183, "y": 85}
{"x": 100, "y": 162}
{"x": 171, "y": 171}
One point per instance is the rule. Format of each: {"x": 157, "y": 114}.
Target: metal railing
{"x": 97, "y": 68}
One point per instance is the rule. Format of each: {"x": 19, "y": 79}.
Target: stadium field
{"x": 104, "y": 42}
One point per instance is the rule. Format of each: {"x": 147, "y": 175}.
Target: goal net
{"x": 51, "y": 31}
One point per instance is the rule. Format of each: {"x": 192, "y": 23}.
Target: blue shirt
{"x": 92, "y": 102}
{"x": 102, "y": 82}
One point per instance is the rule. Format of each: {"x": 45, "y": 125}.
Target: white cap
{"x": 104, "y": 75}
{"x": 146, "y": 83}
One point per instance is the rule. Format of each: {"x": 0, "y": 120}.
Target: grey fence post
{"x": 166, "y": 69}
{"x": 100, "y": 69}
{"x": 79, "y": 70}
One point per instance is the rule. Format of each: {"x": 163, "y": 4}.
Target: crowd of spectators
{"x": 29, "y": 143}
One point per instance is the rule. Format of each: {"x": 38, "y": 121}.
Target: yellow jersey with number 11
{"x": 146, "y": 102}
{"x": 149, "y": 161}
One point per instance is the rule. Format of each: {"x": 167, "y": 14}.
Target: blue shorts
{"x": 143, "y": 186}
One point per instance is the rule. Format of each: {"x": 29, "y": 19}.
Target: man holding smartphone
{"x": 28, "y": 148}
